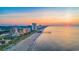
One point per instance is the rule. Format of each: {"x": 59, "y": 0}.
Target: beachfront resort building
{"x": 34, "y": 26}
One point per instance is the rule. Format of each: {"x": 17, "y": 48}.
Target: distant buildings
{"x": 20, "y": 30}
{"x": 39, "y": 26}
{"x": 14, "y": 31}
{"x": 10, "y": 32}
{"x": 34, "y": 26}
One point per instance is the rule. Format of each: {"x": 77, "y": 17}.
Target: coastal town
{"x": 11, "y": 35}
{"x": 39, "y": 29}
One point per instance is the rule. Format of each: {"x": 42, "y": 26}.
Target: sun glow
{"x": 68, "y": 17}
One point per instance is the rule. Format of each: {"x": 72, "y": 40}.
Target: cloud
{"x": 41, "y": 17}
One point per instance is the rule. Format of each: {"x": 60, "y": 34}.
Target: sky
{"x": 39, "y": 15}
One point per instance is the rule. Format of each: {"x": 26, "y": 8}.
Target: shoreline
{"x": 25, "y": 44}
{"x": 16, "y": 41}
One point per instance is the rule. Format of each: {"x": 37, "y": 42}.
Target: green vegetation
{"x": 16, "y": 40}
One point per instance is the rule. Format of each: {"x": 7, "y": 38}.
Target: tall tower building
{"x": 34, "y": 26}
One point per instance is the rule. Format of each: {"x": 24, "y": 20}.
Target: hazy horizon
{"x": 39, "y": 15}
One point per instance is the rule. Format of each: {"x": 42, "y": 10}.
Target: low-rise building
{"x": 2, "y": 42}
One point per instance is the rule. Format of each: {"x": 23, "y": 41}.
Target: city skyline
{"x": 39, "y": 15}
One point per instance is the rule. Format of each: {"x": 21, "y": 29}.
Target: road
{"x": 25, "y": 44}
{"x": 51, "y": 39}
